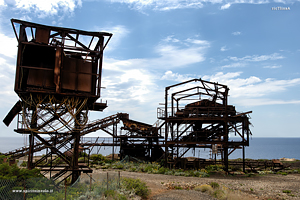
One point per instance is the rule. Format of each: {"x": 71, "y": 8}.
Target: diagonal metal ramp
{"x": 91, "y": 127}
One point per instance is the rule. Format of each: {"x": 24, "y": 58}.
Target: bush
{"x": 170, "y": 172}
{"x": 2, "y": 157}
{"x": 203, "y": 174}
{"x": 14, "y": 172}
{"x": 162, "y": 170}
{"x": 137, "y": 186}
{"x": 117, "y": 165}
{"x": 179, "y": 173}
{"x": 213, "y": 168}
{"x": 132, "y": 169}
{"x": 177, "y": 187}
{"x": 287, "y": 191}
{"x": 83, "y": 160}
{"x": 24, "y": 164}
{"x": 219, "y": 194}
{"x": 214, "y": 185}
{"x": 98, "y": 158}
{"x": 204, "y": 188}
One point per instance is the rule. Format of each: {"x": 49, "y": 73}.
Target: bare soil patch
{"x": 271, "y": 186}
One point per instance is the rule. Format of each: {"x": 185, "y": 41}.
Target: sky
{"x": 252, "y": 46}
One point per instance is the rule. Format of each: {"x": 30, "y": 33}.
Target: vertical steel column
{"x": 30, "y": 154}
{"x": 75, "y": 167}
{"x": 244, "y": 170}
{"x": 166, "y": 125}
{"x": 31, "y": 139}
{"x": 74, "y": 162}
{"x": 113, "y": 147}
{"x": 226, "y": 131}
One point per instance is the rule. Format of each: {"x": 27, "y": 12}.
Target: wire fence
{"x": 86, "y": 187}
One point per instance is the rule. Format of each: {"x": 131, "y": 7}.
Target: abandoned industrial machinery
{"x": 58, "y": 81}
{"x": 197, "y": 115}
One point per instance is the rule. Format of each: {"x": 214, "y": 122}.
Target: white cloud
{"x": 199, "y": 42}
{"x": 244, "y": 90}
{"x": 171, "y": 39}
{"x": 119, "y": 33}
{"x": 45, "y": 8}
{"x": 273, "y": 66}
{"x": 264, "y": 102}
{"x": 170, "y": 55}
{"x": 163, "y": 5}
{"x": 2, "y": 3}
{"x": 132, "y": 84}
{"x": 182, "y": 6}
{"x": 257, "y": 58}
{"x": 8, "y": 45}
{"x": 226, "y": 6}
{"x": 7, "y": 75}
{"x": 248, "y": 91}
{"x": 223, "y": 48}
{"x": 173, "y": 56}
{"x": 166, "y": 5}
{"x": 169, "y": 75}
{"x": 233, "y": 65}
{"x": 237, "y": 33}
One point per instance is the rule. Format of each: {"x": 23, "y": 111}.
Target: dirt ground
{"x": 263, "y": 187}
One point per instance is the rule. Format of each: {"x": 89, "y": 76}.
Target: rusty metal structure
{"x": 197, "y": 115}
{"x": 58, "y": 80}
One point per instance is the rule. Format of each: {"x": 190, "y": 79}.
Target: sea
{"x": 259, "y": 148}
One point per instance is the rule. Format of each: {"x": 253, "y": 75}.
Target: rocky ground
{"x": 270, "y": 186}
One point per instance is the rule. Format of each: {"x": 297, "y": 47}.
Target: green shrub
{"x": 203, "y": 174}
{"x": 204, "y": 188}
{"x": 213, "y": 168}
{"x": 137, "y": 186}
{"x": 14, "y": 172}
{"x": 214, "y": 185}
{"x": 179, "y": 174}
{"x": 219, "y": 194}
{"x": 287, "y": 191}
{"x": 98, "y": 159}
{"x": 189, "y": 173}
{"x": 170, "y": 172}
{"x": 110, "y": 193}
{"x": 162, "y": 170}
{"x": 2, "y": 157}
{"x": 132, "y": 169}
{"x": 176, "y": 187}
{"x": 83, "y": 154}
{"x": 117, "y": 165}
{"x": 282, "y": 173}
{"x": 57, "y": 161}
{"x": 83, "y": 159}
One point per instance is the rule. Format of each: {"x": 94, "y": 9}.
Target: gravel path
{"x": 264, "y": 187}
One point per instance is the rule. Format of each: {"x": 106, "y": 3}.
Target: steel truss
{"x": 58, "y": 80}
{"x": 197, "y": 115}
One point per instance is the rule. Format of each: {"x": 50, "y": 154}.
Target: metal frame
{"x": 206, "y": 121}
{"x": 58, "y": 80}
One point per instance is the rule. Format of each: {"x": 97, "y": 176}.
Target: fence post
{"x": 91, "y": 182}
{"x": 119, "y": 178}
{"x": 24, "y": 190}
{"x": 107, "y": 182}
{"x": 65, "y": 189}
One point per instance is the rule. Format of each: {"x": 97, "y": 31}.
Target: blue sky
{"x": 244, "y": 44}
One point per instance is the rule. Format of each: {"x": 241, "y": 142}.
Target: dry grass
{"x": 222, "y": 193}
{"x": 231, "y": 195}
{"x": 205, "y": 188}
